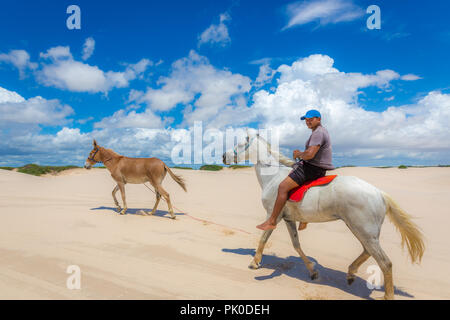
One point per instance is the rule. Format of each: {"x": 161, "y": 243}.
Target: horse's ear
{"x": 94, "y": 143}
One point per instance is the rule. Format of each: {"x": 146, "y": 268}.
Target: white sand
{"x": 49, "y": 223}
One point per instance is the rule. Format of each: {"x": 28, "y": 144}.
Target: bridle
{"x": 247, "y": 145}
{"x": 93, "y": 156}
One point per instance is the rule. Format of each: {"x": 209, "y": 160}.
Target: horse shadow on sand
{"x": 295, "y": 268}
{"x": 141, "y": 212}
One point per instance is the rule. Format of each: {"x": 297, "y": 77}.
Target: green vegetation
{"x": 187, "y": 168}
{"x": 237, "y": 166}
{"x": 6, "y": 168}
{"x": 211, "y": 167}
{"x": 38, "y": 170}
{"x": 402, "y": 166}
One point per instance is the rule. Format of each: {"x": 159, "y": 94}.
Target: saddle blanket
{"x": 297, "y": 194}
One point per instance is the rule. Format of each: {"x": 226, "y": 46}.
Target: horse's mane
{"x": 112, "y": 152}
{"x": 278, "y": 155}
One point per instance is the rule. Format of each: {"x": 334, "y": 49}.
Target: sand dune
{"x": 49, "y": 223}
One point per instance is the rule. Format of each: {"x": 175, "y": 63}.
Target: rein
{"x": 268, "y": 149}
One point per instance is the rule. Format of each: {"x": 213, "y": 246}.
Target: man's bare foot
{"x": 267, "y": 225}
{"x": 302, "y": 225}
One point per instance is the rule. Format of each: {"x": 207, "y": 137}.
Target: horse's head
{"x": 244, "y": 150}
{"x": 94, "y": 156}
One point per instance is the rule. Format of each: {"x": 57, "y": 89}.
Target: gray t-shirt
{"x": 323, "y": 157}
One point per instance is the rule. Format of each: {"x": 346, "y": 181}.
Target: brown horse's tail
{"x": 410, "y": 232}
{"x": 178, "y": 179}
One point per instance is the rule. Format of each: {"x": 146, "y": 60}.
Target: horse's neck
{"x": 267, "y": 170}
{"x": 109, "y": 159}
{"x": 271, "y": 167}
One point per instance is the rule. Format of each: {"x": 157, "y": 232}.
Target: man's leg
{"x": 310, "y": 175}
{"x": 283, "y": 190}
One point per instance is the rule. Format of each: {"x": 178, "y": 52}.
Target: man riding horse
{"x": 315, "y": 161}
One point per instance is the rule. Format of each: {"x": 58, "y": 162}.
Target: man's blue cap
{"x": 311, "y": 114}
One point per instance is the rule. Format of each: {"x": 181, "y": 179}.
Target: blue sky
{"x": 155, "y": 67}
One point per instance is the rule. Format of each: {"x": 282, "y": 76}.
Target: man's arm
{"x": 308, "y": 154}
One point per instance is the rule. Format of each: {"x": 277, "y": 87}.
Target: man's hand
{"x": 297, "y": 154}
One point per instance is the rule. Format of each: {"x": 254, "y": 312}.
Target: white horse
{"x": 359, "y": 204}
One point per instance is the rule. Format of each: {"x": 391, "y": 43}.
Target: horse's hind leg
{"x": 166, "y": 197}
{"x": 374, "y": 249}
{"x": 116, "y": 188}
{"x": 256, "y": 262}
{"x": 368, "y": 235}
{"x": 158, "y": 197}
{"x": 296, "y": 243}
{"x": 353, "y": 268}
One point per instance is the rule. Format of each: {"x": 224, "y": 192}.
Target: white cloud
{"x": 132, "y": 119}
{"x": 326, "y": 11}
{"x": 265, "y": 75}
{"x": 88, "y": 48}
{"x": 14, "y": 109}
{"x": 212, "y": 93}
{"x": 216, "y": 33}
{"x": 410, "y": 77}
{"x": 20, "y": 59}
{"x": 313, "y": 82}
{"x": 10, "y": 96}
{"x": 70, "y": 136}
{"x": 65, "y": 73}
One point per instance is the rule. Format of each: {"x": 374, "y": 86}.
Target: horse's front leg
{"x": 124, "y": 200}
{"x": 296, "y": 243}
{"x": 256, "y": 263}
{"x": 116, "y": 188}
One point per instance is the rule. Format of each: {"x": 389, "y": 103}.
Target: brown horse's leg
{"x": 116, "y": 188}
{"x": 353, "y": 268}
{"x": 124, "y": 200}
{"x": 158, "y": 197}
{"x": 166, "y": 196}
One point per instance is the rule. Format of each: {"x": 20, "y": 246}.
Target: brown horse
{"x": 134, "y": 170}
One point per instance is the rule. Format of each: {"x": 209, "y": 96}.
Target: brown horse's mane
{"x": 112, "y": 153}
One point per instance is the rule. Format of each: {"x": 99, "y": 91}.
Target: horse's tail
{"x": 178, "y": 179}
{"x": 410, "y": 232}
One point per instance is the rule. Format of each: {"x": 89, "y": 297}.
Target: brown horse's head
{"x": 94, "y": 156}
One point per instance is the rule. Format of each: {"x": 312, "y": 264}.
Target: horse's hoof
{"x": 314, "y": 275}
{"x": 173, "y": 218}
{"x": 254, "y": 265}
{"x": 350, "y": 280}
